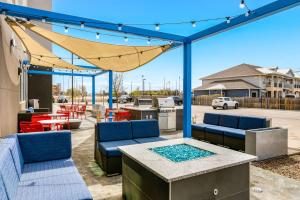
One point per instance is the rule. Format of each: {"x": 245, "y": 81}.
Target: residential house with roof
{"x": 246, "y": 80}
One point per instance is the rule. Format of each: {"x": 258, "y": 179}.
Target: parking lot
{"x": 280, "y": 118}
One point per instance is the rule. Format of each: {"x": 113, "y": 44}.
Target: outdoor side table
{"x": 267, "y": 142}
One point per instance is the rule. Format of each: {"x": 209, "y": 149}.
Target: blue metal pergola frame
{"x": 259, "y": 13}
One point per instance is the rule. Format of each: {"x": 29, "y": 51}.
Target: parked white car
{"x": 225, "y": 103}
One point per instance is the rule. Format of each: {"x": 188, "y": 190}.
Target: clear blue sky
{"x": 273, "y": 41}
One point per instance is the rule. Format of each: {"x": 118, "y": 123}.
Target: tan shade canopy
{"x": 117, "y": 58}
{"x": 39, "y": 55}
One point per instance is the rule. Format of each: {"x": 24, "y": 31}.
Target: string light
{"x": 66, "y": 29}
{"x": 242, "y": 4}
{"x": 97, "y": 35}
{"x": 126, "y": 39}
{"x": 149, "y": 41}
{"x": 194, "y": 24}
{"x": 228, "y": 20}
{"x": 81, "y": 24}
{"x": 248, "y": 13}
{"x": 3, "y": 12}
{"x": 120, "y": 27}
{"x": 157, "y": 27}
{"x": 28, "y": 21}
{"x": 44, "y": 19}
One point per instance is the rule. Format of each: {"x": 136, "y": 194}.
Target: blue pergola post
{"x": 110, "y": 92}
{"x": 187, "y": 88}
{"x": 93, "y": 91}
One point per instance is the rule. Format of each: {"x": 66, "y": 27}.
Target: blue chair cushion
{"x": 211, "y": 118}
{"x": 150, "y": 139}
{"x": 247, "y": 123}
{"x": 144, "y": 128}
{"x": 201, "y": 127}
{"x": 111, "y": 131}
{"x": 46, "y": 146}
{"x": 3, "y": 194}
{"x": 13, "y": 144}
{"x": 215, "y": 129}
{"x": 50, "y": 180}
{"x": 229, "y": 121}
{"x": 110, "y": 149}
{"x": 8, "y": 172}
{"x": 236, "y": 133}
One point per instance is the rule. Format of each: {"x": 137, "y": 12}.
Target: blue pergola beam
{"x": 110, "y": 93}
{"x": 187, "y": 89}
{"x": 32, "y": 13}
{"x": 41, "y": 72}
{"x": 89, "y": 67}
{"x": 93, "y": 90}
{"x": 264, "y": 11}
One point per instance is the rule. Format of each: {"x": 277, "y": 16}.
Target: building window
{"x": 254, "y": 94}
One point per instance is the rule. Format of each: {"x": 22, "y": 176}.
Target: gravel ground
{"x": 288, "y": 166}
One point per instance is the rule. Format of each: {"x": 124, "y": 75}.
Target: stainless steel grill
{"x": 166, "y": 114}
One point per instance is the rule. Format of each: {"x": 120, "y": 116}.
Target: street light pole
{"x": 143, "y": 84}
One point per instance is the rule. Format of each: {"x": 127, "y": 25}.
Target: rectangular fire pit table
{"x": 184, "y": 169}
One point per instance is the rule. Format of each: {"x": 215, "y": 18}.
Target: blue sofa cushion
{"x": 215, "y": 129}
{"x": 46, "y": 146}
{"x": 110, "y": 149}
{"x": 50, "y": 180}
{"x": 8, "y": 172}
{"x": 236, "y": 133}
{"x": 229, "y": 121}
{"x": 111, "y": 131}
{"x": 247, "y": 123}
{"x": 13, "y": 144}
{"x": 150, "y": 139}
{"x": 144, "y": 128}
{"x": 3, "y": 194}
{"x": 201, "y": 127}
{"x": 211, "y": 118}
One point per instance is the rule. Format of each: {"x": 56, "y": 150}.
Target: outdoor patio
{"x": 265, "y": 184}
{"x": 150, "y": 149}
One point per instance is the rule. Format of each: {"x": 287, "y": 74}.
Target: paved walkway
{"x": 273, "y": 186}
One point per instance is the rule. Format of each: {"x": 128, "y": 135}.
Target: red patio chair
{"x": 107, "y": 114}
{"x": 65, "y": 115}
{"x": 81, "y": 111}
{"x": 122, "y": 116}
{"x": 28, "y": 127}
{"x": 37, "y": 118}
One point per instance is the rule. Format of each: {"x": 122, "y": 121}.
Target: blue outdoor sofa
{"x": 110, "y": 135}
{"x": 38, "y": 166}
{"x": 227, "y": 130}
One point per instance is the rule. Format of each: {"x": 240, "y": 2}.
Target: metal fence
{"x": 248, "y": 102}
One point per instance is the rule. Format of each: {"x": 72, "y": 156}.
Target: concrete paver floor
{"x": 265, "y": 185}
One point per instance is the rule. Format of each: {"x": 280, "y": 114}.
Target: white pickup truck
{"x": 225, "y": 103}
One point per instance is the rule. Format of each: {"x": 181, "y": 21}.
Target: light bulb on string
{"x": 81, "y": 24}
{"x": 44, "y": 19}
{"x": 242, "y": 4}
{"x": 248, "y": 13}
{"x": 194, "y": 24}
{"x": 66, "y": 29}
{"x": 27, "y": 21}
{"x": 126, "y": 39}
{"x": 228, "y": 20}
{"x": 97, "y": 35}
{"x": 3, "y": 12}
{"x": 157, "y": 27}
{"x": 149, "y": 41}
{"x": 120, "y": 27}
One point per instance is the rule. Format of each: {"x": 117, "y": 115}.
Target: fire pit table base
{"x": 226, "y": 184}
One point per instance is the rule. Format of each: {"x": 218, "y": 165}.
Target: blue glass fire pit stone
{"x": 181, "y": 152}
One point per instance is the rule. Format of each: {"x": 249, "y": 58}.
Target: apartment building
{"x": 246, "y": 80}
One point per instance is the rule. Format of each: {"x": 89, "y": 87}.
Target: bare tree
{"x": 118, "y": 86}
